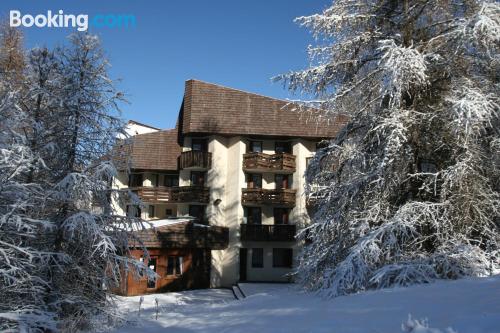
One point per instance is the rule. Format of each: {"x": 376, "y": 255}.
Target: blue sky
{"x": 239, "y": 44}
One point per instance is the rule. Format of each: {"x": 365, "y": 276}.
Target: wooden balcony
{"x": 183, "y": 235}
{"x": 259, "y": 196}
{"x": 195, "y": 160}
{"x": 260, "y": 162}
{"x": 177, "y": 194}
{"x": 268, "y": 232}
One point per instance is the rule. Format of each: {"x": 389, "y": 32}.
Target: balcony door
{"x": 171, "y": 180}
{"x": 253, "y": 215}
{"x": 281, "y": 215}
{"x": 254, "y": 180}
{"x": 199, "y": 145}
{"x": 135, "y": 180}
{"x": 243, "y": 264}
{"x": 197, "y": 178}
{"x": 283, "y": 147}
{"x": 198, "y": 212}
{"x": 282, "y": 181}
{"x": 255, "y": 147}
{"x": 133, "y": 211}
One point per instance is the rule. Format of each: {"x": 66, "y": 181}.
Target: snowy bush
{"x": 421, "y": 326}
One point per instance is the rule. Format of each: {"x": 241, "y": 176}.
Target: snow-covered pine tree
{"x": 91, "y": 241}
{"x": 22, "y": 286}
{"x": 63, "y": 246}
{"x": 408, "y": 191}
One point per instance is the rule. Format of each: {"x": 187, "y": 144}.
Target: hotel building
{"x": 224, "y": 189}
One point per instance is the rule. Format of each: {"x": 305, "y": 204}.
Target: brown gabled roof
{"x": 153, "y": 151}
{"x": 209, "y": 108}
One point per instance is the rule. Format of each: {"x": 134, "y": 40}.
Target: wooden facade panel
{"x": 195, "y": 272}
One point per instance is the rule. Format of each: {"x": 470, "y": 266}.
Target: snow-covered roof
{"x": 165, "y": 222}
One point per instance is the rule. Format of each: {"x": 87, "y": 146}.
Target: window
{"x": 169, "y": 212}
{"x": 253, "y": 215}
{"x": 197, "y": 178}
{"x": 151, "y": 211}
{"x": 174, "y": 265}
{"x": 199, "y": 145}
{"x": 283, "y": 147}
{"x": 254, "y": 180}
{"x": 135, "y": 180}
{"x": 427, "y": 166}
{"x": 171, "y": 180}
{"x": 282, "y": 258}
{"x": 133, "y": 211}
{"x": 257, "y": 258}
{"x": 152, "y": 266}
{"x": 255, "y": 147}
{"x": 198, "y": 212}
{"x": 281, "y": 181}
{"x": 281, "y": 215}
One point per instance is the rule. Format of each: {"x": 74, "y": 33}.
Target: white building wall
{"x": 302, "y": 149}
{"x": 134, "y": 129}
{"x": 268, "y": 272}
{"x": 225, "y": 263}
{"x": 120, "y": 182}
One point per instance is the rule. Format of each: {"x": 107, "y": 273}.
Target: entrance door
{"x": 243, "y": 264}
{"x": 152, "y": 265}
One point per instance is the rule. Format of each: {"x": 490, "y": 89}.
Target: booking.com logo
{"x": 81, "y": 21}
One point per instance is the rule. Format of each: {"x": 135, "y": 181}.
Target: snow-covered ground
{"x": 467, "y": 306}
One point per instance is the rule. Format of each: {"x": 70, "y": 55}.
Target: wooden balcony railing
{"x": 183, "y": 235}
{"x": 268, "y": 232}
{"x": 195, "y": 160}
{"x": 177, "y": 194}
{"x": 258, "y": 196}
{"x": 260, "y": 162}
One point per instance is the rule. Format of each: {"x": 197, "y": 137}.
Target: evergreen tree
{"x": 408, "y": 191}
{"x": 22, "y": 261}
{"x": 64, "y": 248}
